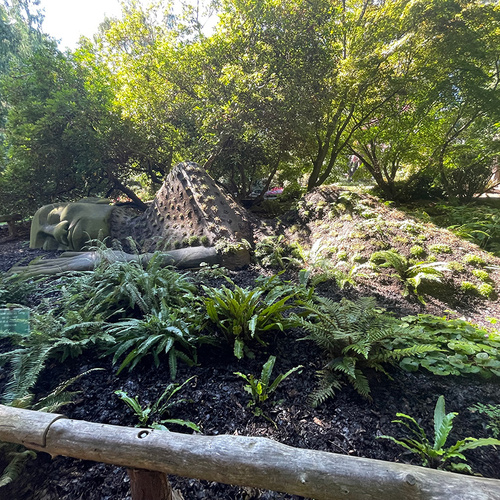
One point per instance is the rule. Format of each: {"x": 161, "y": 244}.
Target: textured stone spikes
{"x": 190, "y": 203}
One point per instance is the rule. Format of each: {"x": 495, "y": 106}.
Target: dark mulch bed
{"x": 217, "y": 402}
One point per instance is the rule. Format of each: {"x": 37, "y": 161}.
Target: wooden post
{"x": 149, "y": 485}
{"x": 244, "y": 461}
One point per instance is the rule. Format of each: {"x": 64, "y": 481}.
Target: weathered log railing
{"x": 238, "y": 460}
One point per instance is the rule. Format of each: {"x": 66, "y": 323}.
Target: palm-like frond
{"x": 244, "y": 314}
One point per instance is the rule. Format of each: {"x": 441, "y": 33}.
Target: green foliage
{"x": 492, "y": 412}
{"x": 417, "y": 251}
{"x": 435, "y": 455}
{"x": 460, "y": 347}
{"x": 477, "y": 223}
{"x": 474, "y": 259}
{"x": 16, "y": 289}
{"x": 455, "y": 266}
{"x": 485, "y": 290}
{"x": 56, "y": 399}
{"x": 16, "y": 455}
{"x": 275, "y": 251}
{"x": 162, "y": 405}
{"x": 50, "y": 338}
{"x": 470, "y": 168}
{"x": 261, "y": 388}
{"x": 411, "y": 276}
{"x": 160, "y": 332}
{"x": 481, "y": 274}
{"x": 439, "y": 248}
{"x": 243, "y": 315}
{"x": 354, "y": 336}
{"x": 117, "y": 288}
{"x": 66, "y": 139}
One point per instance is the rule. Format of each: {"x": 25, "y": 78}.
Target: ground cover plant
{"x": 436, "y": 455}
{"x": 367, "y": 351}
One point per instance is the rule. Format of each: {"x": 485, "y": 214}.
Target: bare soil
{"x": 347, "y": 425}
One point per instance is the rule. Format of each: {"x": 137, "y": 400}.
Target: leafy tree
{"x": 440, "y": 125}
{"x": 65, "y": 138}
{"x": 20, "y": 33}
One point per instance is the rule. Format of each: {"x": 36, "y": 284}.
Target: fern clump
{"x": 354, "y": 336}
{"x": 51, "y": 337}
{"x": 117, "y": 289}
{"x": 243, "y": 315}
{"x": 411, "y": 276}
{"x": 473, "y": 259}
{"x": 16, "y": 289}
{"x": 160, "y": 332}
{"x": 16, "y": 456}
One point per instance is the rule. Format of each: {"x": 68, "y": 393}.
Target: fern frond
{"x": 360, "y": 383}
{"x": 328, "y": 386}
{"x": 26, "y": 366}
{"x": 17, "y": 460}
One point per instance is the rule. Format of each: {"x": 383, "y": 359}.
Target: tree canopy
{"x": 284, "y": 91}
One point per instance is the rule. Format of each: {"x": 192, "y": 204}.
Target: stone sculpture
{"x": 189, "y": 209}
{"x": 188, "y": 216}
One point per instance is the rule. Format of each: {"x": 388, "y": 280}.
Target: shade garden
{"x": 351, "y": 312}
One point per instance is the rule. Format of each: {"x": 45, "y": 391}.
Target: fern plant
{"x": 49, "y": 338}
{"x": 492, "y": 412}
{"x": 354, "y": 336}
{"x": 118, "y": 289}
{"x": 16, "y": 289}
{"x": 244, "y": 315}
{"x": 275, "y": 251}
{"x": 261, "y": 388}
{"x": 161, "y": 332}
{"x": 411, "y": 276}
{"x": 161, "y": 406}
{"x": 16, "y": 456}
{"x": 434, "y": 454}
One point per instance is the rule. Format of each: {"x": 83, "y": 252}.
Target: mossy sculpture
{"x": 189, "y": 207}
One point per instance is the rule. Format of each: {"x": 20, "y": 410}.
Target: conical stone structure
{"x": 190, "y": 209}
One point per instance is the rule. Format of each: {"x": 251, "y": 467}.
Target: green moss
{"x": 357, "y": 257}
{"x": 417, "y": 251}
{"x": 358, "y": 234}
{"x": 481, "y": 274}
{"x": 194, "y": 241}
{"x": 400, "y": 239}
{"x": 467, "y": 286}
{"x": 358, "y": 247}
{"x": 177, "y": 244}
{"x": 455, "y": 266}
{"x": 474, "y": 260}
{"x": 342, "y": 255}
{"x": 383, "y": 245}
{"x": 205, "y": 241}
{"x": 484, "y": 290}
{"x": 439, "y": 248}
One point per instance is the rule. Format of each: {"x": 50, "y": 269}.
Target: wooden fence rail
{"x": 238, "y": 460}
